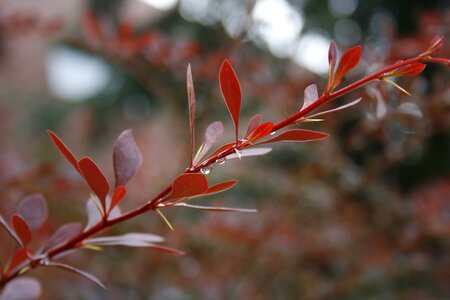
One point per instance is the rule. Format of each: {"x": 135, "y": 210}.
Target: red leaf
{"x": 118, "y": 195}
{"x": 33, "y": 209}
{"x": 18, "y": 258}
{"x": 296, "y": 135}
{"x": 221, "y": 149}
{"x": 64, "y": 150}
{"x": 188, "y": 185}
{"x": 220, "y": 187}
{"x": 261, "y": 131}
{"x": 253, "y": 123}
{"x": 167, "y": 250}
{"x": 348, "y": 61}
{"x": 127, "y": 158}
{"x": 409, "y": 70}
{"x": 10, "y": 231}
{"x": 95, "y": 179}
{"x": 22, "y": 229}
{"x": 191, "y": 99}
{"x": 231, "y": 91}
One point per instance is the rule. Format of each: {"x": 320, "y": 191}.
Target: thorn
{"x": 165, "y": 219}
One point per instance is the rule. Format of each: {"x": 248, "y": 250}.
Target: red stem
{"x": 76, "y": 241}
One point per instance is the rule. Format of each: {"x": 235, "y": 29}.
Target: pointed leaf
{"x": 221, "y": 149}
{"x": 409, "y": 70}
{"x": 77, "y": 271}
{"x": 118, "y": 195}
{"x": 23, "y": 288}
{"x": 310, "y": 96}
{"x": 10, "y": 231}
{"x": 126, "y": 157}
{"x": 231, "y": 91}
{"x": 253, "y": 123}
{"x": 191, "y": 99}
{"x": 33, "y": 209}
{"x": 436, "y": 43}
{"x": 167, "y": 250}
{"x": 188, "y": 185}
{"x": 332, "y": 54}
{"x": 261, "y": 131}
{"x": 335, "y": 109}
{"x": 95, "y": 179}
{"x": 22, "y": 229}
{"x": 63, "y": 234}
{"x": 220, "y": 187}
{"x": 250, "y": 152}
{"x": 93, "y": 212}
{"x": 348, "y": 61}
{"x": 64, "y": 150}
{"x": 332, "y": 59}
{"x": 215, "y": 208}
{"x": 296, "y": 135}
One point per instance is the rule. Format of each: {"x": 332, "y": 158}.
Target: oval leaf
{"x": 212, "y": 133}
{"x": 188, "y": 185}
{"x": 231, "y": 91}
{"x": 23, "y": 288}
{"x": 95, "y": 179}
{"x": 33, "y": 209}
{"x": 63, "y": 234}
{"x": 22, "y": 229}
{"x": 127, "y": 158}
{"x": 296, "y": 135}
{"x": 253, "y": 123}
{"x": 64, "y": 150}
{"x": 310, "y": 95}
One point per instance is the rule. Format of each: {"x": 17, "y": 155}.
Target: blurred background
{"x": 364, "y": 214}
